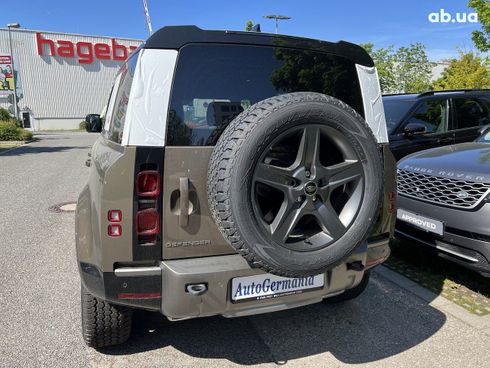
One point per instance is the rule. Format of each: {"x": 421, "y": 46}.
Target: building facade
{"x": 60, "y": 77}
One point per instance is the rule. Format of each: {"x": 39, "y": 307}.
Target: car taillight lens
{"x": 148, "y": 222}
{"x": 148, "y": 184}
{"x": 392, "y": 202}
{"x": 114, "y": 216}
{"x": 114, "y": 230}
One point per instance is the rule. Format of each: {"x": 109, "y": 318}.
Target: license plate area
{"x": 267, "y": 286}
{"x": 421, "y": 222}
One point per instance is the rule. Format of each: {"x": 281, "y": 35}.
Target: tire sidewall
{"x": 353, "y": 127}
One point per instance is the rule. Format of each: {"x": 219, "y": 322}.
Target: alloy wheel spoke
{"x": 344, "y": 173}
{"x": 285, "y": 221}
{"x": 274, "y": 176}
{"x": 329, "y": 220}
{"x": 309, "y": 147}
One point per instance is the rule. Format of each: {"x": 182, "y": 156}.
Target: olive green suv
{"x": 236, "y": 173}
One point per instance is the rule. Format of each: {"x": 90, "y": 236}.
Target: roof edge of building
{"x": 70, "y": 34}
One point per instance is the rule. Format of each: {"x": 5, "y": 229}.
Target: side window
{"x": 110, "y": 104}
{"x": 118, "y": 103}
{"x": 432, "y": 114}
{"x": 471, "y": 112}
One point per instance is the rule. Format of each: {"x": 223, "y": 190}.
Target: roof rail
{"x": 431, "y": 93}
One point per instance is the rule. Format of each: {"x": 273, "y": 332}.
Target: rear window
{"x": 214, "y": 83}
{"x": 118, "y": 101}
{"x": 395, "y": 110}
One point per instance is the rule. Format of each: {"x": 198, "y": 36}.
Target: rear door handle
{"x": 184, "y": 202}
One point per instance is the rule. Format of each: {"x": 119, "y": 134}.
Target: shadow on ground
{"x": 462, "y": 286}
{"x": 28, "y": 149}
{"x": 383, "y": 322}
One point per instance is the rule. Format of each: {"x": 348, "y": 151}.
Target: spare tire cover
{"x": 295, "y": 183}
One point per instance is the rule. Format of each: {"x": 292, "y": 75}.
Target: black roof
{"x": 175, "y": 37}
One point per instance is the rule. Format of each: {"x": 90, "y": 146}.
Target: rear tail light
{"x": 148, "y": 184}
{"x": 148, "y": 189}
{"x": 148, "y": 222}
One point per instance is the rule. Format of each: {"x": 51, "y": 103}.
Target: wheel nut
{"x": 299, "y": 199}
{"x": 307, "y": 174}
{"x": 314, "y": 198}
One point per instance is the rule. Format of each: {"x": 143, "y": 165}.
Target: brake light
{"x": 114, "y": 230}
{"x": 148, "y": 222}
{"x": 148, "y": 184}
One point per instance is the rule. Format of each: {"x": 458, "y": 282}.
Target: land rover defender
{"x": 236, "y": 173}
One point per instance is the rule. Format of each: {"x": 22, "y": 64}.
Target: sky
{"x": 381, "y": 22}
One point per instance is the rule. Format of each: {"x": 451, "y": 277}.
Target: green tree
{"x": 249, "y": 25}
{"x": 481, "y": 39}
{"x": 384, "y": 60}
{"x": 467, "y": 72}
{"x": 412, "y": 69}
{"x": 404, "y": 70}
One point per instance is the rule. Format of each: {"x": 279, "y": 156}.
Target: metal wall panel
{"x": 59, "y": 87}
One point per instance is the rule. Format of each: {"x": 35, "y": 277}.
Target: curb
{"x": 479, "y": 323}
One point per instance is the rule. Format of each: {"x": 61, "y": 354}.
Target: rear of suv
{"x": 435, "y": 118}
{"x": 236, "y": 173}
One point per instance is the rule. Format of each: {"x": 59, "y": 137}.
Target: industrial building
{"x": 60, "y": 78}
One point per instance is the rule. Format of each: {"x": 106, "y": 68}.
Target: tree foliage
{"x": 384, "y": 60}
{"x": 404, "y": 70}
{"x": 412, "y": 69}
{"x": 467, "y": 72}
{"x": 481, "y": 39}
{"x": 249, "y": 25}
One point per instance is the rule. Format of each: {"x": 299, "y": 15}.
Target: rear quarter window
{"x": 214, "y": 83}
{"x": 118, "y": 102}
{"x": 472, "y": 112}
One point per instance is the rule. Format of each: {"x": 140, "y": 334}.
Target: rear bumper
{"x": 164, "y": 287}
{"x": 465, "y": 240}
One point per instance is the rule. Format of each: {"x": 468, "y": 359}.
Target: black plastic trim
{"x": 175, "y": 37}
{"x": 145, "y": 156}
{"x": 106, "y": 286}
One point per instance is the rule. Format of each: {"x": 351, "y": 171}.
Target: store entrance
{"x": 26, "y": 120}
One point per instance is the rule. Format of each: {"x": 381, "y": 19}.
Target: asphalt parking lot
{"x": 39, "y": 298}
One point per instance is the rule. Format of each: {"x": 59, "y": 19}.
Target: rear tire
{"x": 351, "y": 293}
{"x": 104, "y": 324}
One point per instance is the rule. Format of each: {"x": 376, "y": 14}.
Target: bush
{"x": 10, "y": 132}
{"x": 82, "y": 125}
{"x": 4, "y": 115}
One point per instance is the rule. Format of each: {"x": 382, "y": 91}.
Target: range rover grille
{"x": 444, "y": 191}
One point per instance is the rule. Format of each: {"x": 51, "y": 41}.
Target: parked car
{"x": 224, "y": 183}
{"x": 93, "y": 123}
{"x": 444, "y": 201}
{"x": 433, "y": 119}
